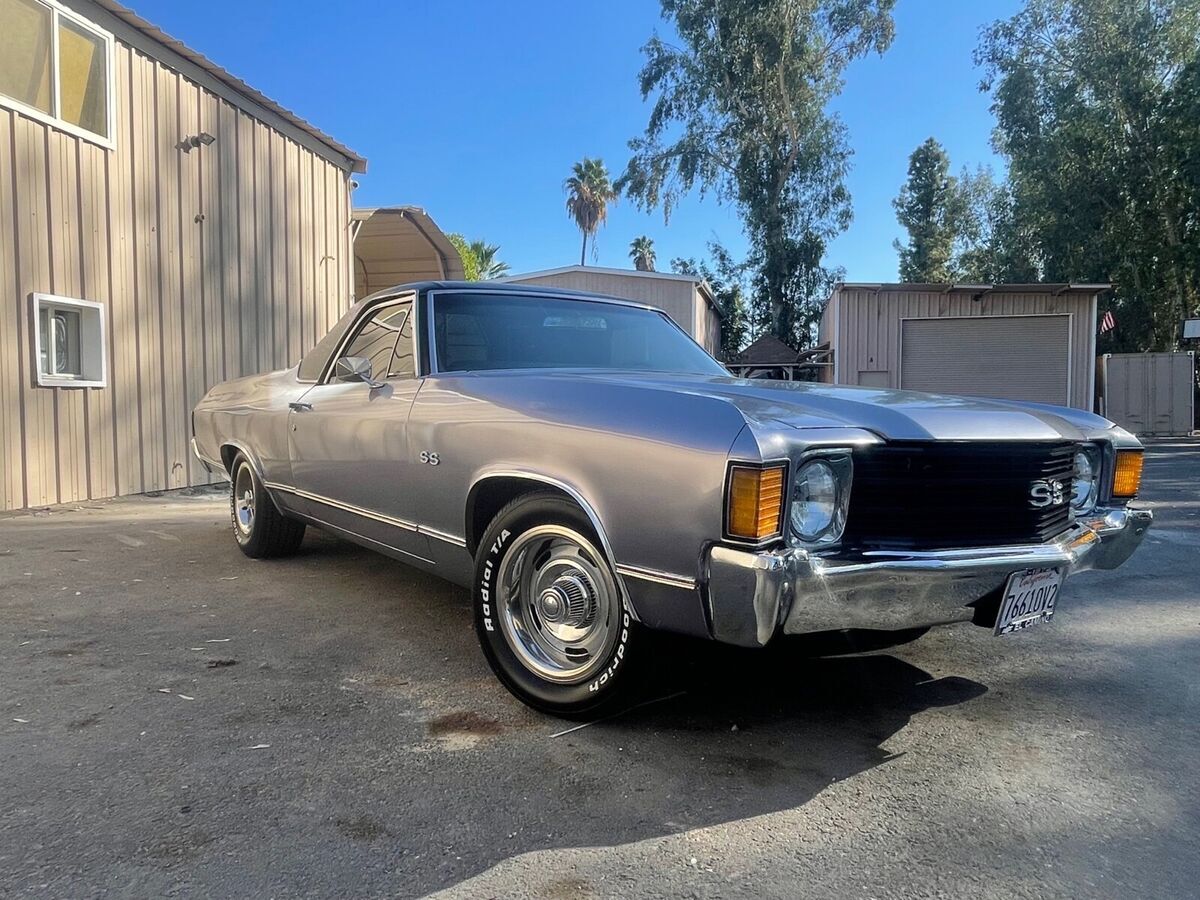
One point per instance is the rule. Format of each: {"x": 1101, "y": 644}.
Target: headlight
{"x": 820, "y": 496}
{"x": 1087, "y": 479}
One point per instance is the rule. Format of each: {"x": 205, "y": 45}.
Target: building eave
{"x": 335, "y": 150}
{"x": 952, "y": 288}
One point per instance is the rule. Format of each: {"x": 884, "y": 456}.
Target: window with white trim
{"x": 68, "y": 342}
{"x": 57, "y": 67}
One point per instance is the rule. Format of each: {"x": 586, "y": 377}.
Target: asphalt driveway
{"x": 178, "y": 720}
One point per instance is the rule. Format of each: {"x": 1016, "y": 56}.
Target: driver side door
{"x": 348, "y": 436}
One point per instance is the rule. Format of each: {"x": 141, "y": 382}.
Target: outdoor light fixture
{"x": 196, "y": 140}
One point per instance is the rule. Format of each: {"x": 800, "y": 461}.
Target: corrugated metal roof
{"x": 949, "y": 288}
{"x": 400, "y": 244}
{"x": 229, "y": 80}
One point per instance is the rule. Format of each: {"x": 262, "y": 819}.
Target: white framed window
{"x": 57, "y": 67}
{"x": 69, "y": 346}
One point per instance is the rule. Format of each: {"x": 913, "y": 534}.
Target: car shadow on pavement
{"x": 326, "y": 726}
{"x": 716, "y": 734}
{"x": 725, "y": 735}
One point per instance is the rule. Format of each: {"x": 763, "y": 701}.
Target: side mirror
{"x": 355, "y": 369}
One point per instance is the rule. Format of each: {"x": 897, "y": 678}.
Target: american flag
{"x": 1107, "y": 322}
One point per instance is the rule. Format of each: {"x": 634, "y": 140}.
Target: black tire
{"x": 538, "y": 537}
{"x": 264, "y": 532}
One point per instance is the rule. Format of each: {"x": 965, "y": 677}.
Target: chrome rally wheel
{"x": 549, "y": 611}
{"x": 244, "y": 500}
{"x": 260, "y": 529}
{"x": 559, "y": 606}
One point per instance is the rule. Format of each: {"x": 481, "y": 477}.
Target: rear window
{"x": 478, "y": 332}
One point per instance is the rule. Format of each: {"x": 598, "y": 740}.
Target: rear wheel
{"x": 549, "y": 611}
{"x": 261, "y": 530}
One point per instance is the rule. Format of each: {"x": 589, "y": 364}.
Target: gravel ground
{"x": 178, "y": 720}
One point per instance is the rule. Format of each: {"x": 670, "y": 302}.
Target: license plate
{"x": 1029, "y": 598}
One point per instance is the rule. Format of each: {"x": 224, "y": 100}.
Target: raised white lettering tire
{"x": 261, "y": 530}
{"x": 548, "y": 609}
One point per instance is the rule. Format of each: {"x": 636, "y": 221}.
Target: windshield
{"x": 478, "y": 332}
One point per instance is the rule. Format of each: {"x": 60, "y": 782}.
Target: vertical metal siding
{"x": 220, "y": 262}
{"x": 867, "y": 333}
{"x": 1151, "y": 393}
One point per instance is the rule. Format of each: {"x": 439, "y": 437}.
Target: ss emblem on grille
{"x": 1046, "y": 493}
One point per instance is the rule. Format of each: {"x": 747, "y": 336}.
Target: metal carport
{"x": 396, "y": 244}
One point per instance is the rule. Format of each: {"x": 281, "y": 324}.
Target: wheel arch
{"x": 229, "y": 452}
{"x": 493, "y": 491}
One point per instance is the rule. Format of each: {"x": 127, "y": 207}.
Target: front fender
{"x": 535, "y": 481}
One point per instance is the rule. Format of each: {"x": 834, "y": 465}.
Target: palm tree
{"x": 485, "y": 256}
{"x": 589, "y": 192}
{"x": 641, "y": 251}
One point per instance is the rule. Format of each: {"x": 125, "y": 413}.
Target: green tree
{"x": 641, "y": 251}
{"x": 478, "y": 258}
{"x": 741, "y": 111}
{"x": 1181, "y": 120}
{"x": 485, "y": 256}
{"x": 993, "y": 245}
{"x": 931, "y": 209}
{"x": 469, "y": 261}
{"x": 727, "y": 279}
{"x": 589, "y": 192}
{"x": 1096, "y": 109}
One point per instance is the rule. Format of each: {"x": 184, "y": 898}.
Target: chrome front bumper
{"x": 750, "y": 595}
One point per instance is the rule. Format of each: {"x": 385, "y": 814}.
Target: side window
{"x": 379, "y": 340}
{"x": 54, "y": 67}
{"x": 69, "y": 342}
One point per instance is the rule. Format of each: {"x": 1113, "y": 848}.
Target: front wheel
{"x": 549, "y": 611}
{"x": 261, "y": 530}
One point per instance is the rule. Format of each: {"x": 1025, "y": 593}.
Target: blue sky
{"x": 476, "y": 110}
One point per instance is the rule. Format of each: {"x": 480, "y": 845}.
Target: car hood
{"x": 893, "y": 415}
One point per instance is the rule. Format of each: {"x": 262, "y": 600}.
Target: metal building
{"x": 686, "y": 299}
{"x": 1149, "y": 393}
{"x": 1011, "y": 341}
{"x": 163, "y": 226}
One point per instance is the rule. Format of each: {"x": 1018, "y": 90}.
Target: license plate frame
{"x": 1029, "y": 598}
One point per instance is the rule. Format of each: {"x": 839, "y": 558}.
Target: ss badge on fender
{"x": 430, "y": 458}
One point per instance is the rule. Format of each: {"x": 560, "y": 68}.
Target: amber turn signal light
{"x": 755, "y": 502}
{"x": 1128, "y": 475}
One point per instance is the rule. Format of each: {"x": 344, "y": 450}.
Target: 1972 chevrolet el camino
{"x": 589, "y": 472}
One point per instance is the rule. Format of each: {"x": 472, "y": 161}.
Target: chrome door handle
{"x": 297, "y": 406}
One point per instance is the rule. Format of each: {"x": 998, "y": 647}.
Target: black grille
{"x": 944, "y": 495}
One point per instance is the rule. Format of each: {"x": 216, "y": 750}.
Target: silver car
{"x": 591, "y": 474}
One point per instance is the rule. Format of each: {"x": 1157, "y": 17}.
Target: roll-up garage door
{"x": 1010, "y": 357}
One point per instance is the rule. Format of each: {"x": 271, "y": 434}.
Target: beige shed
{"x": 1032, "y": 342}
{"x": 166, "y": 227}
{"x": 686, "y": 299}
{"x": 1149, "y": 393}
